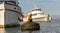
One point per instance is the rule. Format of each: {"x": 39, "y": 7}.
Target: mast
{"x": 35, "y": 4}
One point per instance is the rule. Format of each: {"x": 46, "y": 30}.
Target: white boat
{"x": 38, "y": 16}
{"x": 9, "y": 13}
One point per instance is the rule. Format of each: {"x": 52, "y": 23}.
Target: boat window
{"x": 40, "y": 13}
{"x": 36, "y": 10}
{"x": 14, "y": 8}
{"x": 10, "y": 2}
{"x": 34, "y": 14}
{"x": 1, "y": 9}
{"x": 39, "y": 9}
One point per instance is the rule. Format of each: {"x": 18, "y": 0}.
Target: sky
{"x": 51, "y": 7}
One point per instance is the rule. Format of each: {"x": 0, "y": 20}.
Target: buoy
{"x": 30, "y": 25}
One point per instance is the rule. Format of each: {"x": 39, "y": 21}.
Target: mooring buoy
{"x": 30, "y": 25}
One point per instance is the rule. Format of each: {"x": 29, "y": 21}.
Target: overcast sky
{"x": 48, "y": 6}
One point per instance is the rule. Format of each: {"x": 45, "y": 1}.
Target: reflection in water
{"x": 2, "y": 30}
{"x": 13, "y": 30}
{"x": 16, "y": 30}
{"x": 53, "y": 27}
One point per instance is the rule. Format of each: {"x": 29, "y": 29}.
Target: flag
{"x": 21, "y": 17}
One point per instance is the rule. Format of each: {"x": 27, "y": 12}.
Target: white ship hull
{"x": 42, "y": 19}
{"x": 39, "y": 19}
{"x": 9, "y": 14}
{"x": 38, "y": 16}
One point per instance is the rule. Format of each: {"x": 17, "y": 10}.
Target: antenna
{"x": 35, "y": 4}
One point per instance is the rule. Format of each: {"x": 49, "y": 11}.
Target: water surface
{"x": 51, "y": 27}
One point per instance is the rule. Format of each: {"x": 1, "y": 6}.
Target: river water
{"x": 51, "y": 27}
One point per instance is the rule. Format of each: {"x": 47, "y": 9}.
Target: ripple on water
{"x": 53, "y": 27}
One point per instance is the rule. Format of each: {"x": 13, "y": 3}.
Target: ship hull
{"x": 39, "y": 19}
{"x": 9, "y": 14}
{"x": 42, "y": 19}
